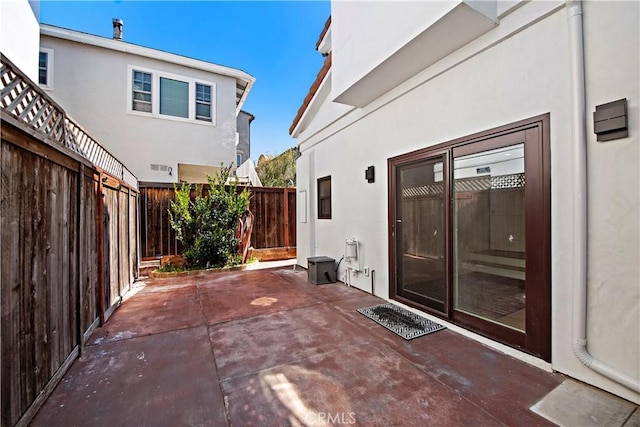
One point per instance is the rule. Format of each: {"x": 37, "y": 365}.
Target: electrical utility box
{"x": 321, "y": 270}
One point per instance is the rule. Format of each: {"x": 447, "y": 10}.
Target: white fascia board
{"x": 243, "y": 98}
{"x": 122, "y": 46}
{"x": 312, "y": 108}
{"x": 324, "y": 46}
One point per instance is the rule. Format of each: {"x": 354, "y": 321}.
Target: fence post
{"x": 285, "y": 192}
{"x": 100, "y": 252}
{"x": 80, "y": 226}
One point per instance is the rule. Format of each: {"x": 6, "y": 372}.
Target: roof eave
{"x": 133, "y": 49}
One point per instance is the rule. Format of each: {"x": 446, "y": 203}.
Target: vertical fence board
{"x": 48, "y": 223}
{"x": 12, "y": 401}
{"x": 291, "y": 213}
{"x": 133, "y": 237}
{"x": 123, "y": 241}
{"x": 89, "y": 278}
{"x": 112, "y": 284}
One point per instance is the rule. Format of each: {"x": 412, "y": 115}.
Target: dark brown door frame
{"x": 538, "y": 245}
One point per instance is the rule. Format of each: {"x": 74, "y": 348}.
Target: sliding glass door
{"x": 469, "y": 224}
{"x": 420, "y": 228}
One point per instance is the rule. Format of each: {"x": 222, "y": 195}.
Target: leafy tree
{"x": 206, "y": 225}
{"x": 279, "y": 171}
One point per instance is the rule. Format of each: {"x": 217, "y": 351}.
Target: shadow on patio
{"x": 265, "y": 348}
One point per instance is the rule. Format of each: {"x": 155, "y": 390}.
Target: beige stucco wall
{"x": 91, "y": 83}
{"x": 518, "y": 70}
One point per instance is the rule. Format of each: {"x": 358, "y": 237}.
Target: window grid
{"x": 42, "y": 68}
{"x": 203, "y": 102}
{"x": 142, "y": 91}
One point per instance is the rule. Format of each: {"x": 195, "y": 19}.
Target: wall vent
{"x": 161, "y": 168}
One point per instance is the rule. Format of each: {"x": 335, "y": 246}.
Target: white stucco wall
{"x": 91, "y": 83}
{"x": 20, "y": 35}
{"x": 519, "y": 70}
{"x": 363, "y": 37}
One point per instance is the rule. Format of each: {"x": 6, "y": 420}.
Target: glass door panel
{"x": 421, "y": 233}
{"x": 489, "y": 267}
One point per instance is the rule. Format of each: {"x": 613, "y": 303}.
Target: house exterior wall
{"x": 93, "y": 85}
{"x": 518, "y": 70}
{"x": 20, "y": 35}
{"x": 244, "y": 135}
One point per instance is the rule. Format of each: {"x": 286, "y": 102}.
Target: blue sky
{"x": 273, "y": 41}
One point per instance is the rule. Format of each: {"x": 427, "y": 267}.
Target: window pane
{"x": 489, "y": 235}
{"x": 141, "y": 91}
{"x": 325, "y": 188}
{"x": 42, "y": 63}
{"x": 141, "y": 96}
{"x": 203, "y": 111}
{"x": 421, "y": 233}
{"x": 142, "y": 81}
{"x": 142, "y": 106}
{"x": 174, "y": 97}
{"x": 203, "y": 93}
{"x": 42, "y": 77}
{"x": 42, "y": 68}
{"x": 324, "y": 198}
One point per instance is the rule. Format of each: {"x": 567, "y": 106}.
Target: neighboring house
{"x": 243, "y": 149}
{"x": 474, "y": 122}
{"x": 169, "y": 117}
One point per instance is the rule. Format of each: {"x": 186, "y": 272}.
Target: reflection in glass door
{"x": 489, "y": 236}
{"x": 470, "y": 238}
{"x": 421, "y": 233}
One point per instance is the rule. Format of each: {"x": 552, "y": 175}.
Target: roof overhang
{"x": 244, "y": 81}
{"x": 313, "y": 90}
{"x": 462, "y": 23}
{"x": 324, "y": 41}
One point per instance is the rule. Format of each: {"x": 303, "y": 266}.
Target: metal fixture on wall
{"x": 610, "y": 120}
{"x": 370, "y": 175}
{"x": 352, "y": 255}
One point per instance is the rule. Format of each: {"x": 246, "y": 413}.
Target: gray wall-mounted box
{"x": 321, "y": 270}
{"x": 610, "y": 121}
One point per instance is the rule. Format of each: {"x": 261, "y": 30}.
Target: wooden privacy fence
{"x": 69, "y": 242}
{"x": 274, "y": 224}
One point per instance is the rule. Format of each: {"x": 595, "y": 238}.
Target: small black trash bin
{"x": 321, "y": 270}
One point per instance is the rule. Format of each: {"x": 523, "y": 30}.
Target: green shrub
{"x": 169, "y": 268}
{"x": 206, "y": 225}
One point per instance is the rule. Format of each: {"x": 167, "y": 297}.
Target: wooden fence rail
{"x": 68, "y": 239}
{"x": 274, "y": 223}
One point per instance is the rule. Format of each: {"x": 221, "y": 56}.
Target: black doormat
{"x": 400, "y": 321}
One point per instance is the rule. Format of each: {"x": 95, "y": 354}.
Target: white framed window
{"x": 239, "y": 158}
{"x": 142, "y": 91}
{"x": 45, "y": 68}
{"x": 174, "y": 98}
{"x": 203, "y": 102}
{"x": 170, "y": 96}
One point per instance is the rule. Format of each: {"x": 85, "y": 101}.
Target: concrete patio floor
{"x": 266, "y": 348}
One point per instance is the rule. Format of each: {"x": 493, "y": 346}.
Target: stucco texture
{"x": 519, "y": 70}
